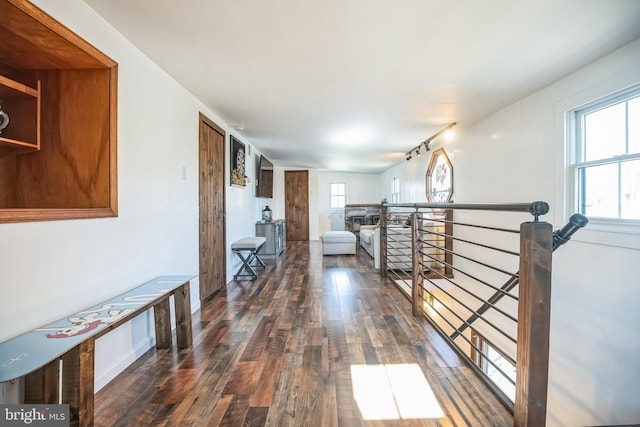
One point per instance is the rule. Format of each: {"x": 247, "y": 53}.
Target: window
{"x": 395, "y": 190}
{"x": 494, "y": 365}
{"x": 606, "y": 157}
{"x": 338, "y": 195}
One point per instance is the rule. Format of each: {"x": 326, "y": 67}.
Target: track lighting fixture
{"x": 428, "y": 140}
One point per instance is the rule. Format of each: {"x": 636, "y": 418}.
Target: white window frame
{"x": 480, "y": 357}
{"x": 332, "y": 195}
{"x": 395, "y": 189}
{"x": 576, "y": 161}
{"x": 609, "y": 231}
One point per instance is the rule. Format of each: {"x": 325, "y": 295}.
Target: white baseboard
{"x": 122, "y": 363}
{"x": 131, "y": 356}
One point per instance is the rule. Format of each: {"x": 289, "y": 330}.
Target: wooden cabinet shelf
{"x": 58, "y": 155}
{"x": 22, "y": 105}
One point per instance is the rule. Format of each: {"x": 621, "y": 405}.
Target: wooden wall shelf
{"x": 58, "y": 156}
{"x": 22, "y": 104}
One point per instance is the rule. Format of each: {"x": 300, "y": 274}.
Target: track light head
{"x": 416, "y": 150}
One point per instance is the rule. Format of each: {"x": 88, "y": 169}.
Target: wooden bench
{"x": 38, "y": 355}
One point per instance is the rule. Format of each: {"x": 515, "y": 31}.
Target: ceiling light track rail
{"x": 416, "y": 150}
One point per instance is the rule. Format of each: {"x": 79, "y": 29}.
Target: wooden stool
{"x": 250, "y": 246}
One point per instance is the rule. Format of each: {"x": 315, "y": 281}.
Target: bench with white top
{"x": 247, "y": 250}
{"x": 38, "y": 355}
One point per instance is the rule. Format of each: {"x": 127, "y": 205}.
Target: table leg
{"x": 162, "y": 320}
{"x": 41, "y": 386}
{"x": 246, "y": 266}
{"x": 77, "y": 382}
{"x": 182, "y": 300}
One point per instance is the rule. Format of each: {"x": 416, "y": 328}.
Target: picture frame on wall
{"x": 439, "y": 178}
{"x": 237, "y": 162}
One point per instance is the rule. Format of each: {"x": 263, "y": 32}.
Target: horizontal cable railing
{"x": 463, "y": 274}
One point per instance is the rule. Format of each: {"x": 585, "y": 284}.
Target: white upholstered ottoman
{"x": 338, "y": 243}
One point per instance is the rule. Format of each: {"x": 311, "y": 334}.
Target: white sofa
{"x": 399, "y": 250}
{"x": 370, "y": 242}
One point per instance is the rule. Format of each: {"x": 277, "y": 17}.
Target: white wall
{"x": 412, "y": 176}
{"x": 49, "y": 270}
{"x": 361, "y": 188}
{"x": 517, "y": 155}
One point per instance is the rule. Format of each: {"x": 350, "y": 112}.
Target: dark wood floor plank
{"x": 267, "y": 375}
{"x": 236, "y": 412}
{"x": 347, "y": 411}
{"x": 279, "y": 351}
{"x": 282, "y": 411}
{"x": 221, "y": 407}
{"x": 258, "y": 341}
{"x": 256, "y": 417}
{"x": 338, "y": 350}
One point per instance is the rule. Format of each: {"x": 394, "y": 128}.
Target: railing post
{"x": 448, "y": 243}
{"x": 417, "y": 270}
{"x": 383, "y": 241}
{"x": 536, "y": 240}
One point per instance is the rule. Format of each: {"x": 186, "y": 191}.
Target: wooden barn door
{"x": 296, "y": 204}
{"x": 212, "y": 208}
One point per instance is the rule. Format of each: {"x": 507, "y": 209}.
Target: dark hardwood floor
{"x": 315, "y": 341}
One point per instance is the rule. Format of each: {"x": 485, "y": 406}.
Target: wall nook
{"x": 58, "y": 151}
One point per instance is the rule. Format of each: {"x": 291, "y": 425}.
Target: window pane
{"x": 338, "y": 189}
{"x": 599, "y": 192}
{"x": 605, "y": 132}
{"x": 337, "y": 202}
{"x": 634, "y": 125}
{"x": 630, "y": 189}
{"x": 507, "y": 368}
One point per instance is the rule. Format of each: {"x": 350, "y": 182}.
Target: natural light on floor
{"x": 393, "y": 392}
{"x": 342, "y": 281}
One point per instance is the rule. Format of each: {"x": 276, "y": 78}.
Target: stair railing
{"x": 456, "y": 290}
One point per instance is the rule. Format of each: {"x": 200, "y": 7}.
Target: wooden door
{"x": 212, "y": 208}
{"x": 296, "y": 199}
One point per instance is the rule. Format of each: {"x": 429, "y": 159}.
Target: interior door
{"x": 296, "y": 199}
{"x": 212, "y": 208}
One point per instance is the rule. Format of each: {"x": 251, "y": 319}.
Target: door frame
{"x": 205, "y": 121}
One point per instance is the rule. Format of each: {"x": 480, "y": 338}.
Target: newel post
{"x": 532, "y": 364}
{"x": 417, "y": 270}
{"x": 383, "y": 241}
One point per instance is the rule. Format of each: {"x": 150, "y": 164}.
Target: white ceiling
{"x": 352, "y": 85}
